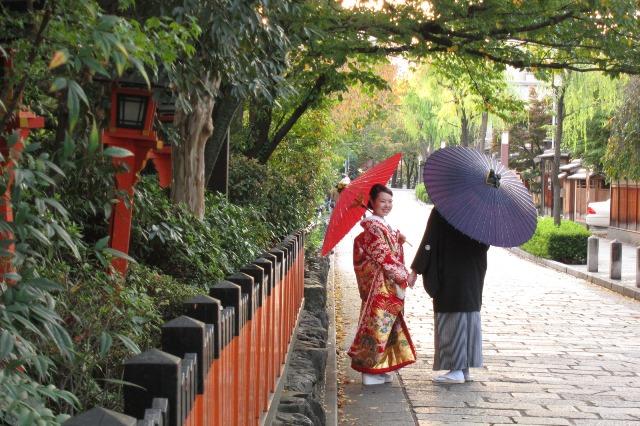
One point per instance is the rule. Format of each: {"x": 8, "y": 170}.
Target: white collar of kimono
{"x": 379, "y": 219}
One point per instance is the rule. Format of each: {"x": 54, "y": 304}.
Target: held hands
{"x": 412, "y": 279}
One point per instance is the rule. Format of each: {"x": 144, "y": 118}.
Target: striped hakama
{"x": 458, "y": 340}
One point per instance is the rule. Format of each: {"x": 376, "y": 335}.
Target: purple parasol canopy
{"x": 480, "y": 197}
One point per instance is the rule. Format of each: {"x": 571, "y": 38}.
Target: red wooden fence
{"x": 221, "y": 362}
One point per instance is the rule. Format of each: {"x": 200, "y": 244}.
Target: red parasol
{"x": 353, "y": 199}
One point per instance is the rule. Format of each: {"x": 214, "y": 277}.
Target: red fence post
{"x": 209, "y": 311}
{"x": 274, "y": 335}
{"x": 268, "y": 319}
{"x": 249, "y": 346}
{"x": 230, "y": 295}
{"x": 258, "y": 350}
{"x": 185, "y": 335}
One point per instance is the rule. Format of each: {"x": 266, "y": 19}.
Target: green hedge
{"x": 421, "y": 193}
{"x": 566, "y": 243}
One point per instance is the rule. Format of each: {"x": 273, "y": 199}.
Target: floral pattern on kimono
{"x": 382, "y": 342}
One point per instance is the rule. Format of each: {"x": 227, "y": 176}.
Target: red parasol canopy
{"x": 353, "y": 199}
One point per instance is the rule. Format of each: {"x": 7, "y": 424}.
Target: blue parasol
{"x": 480, "y": 197}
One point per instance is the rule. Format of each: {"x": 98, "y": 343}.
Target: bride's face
{"x": 383, "y": 204}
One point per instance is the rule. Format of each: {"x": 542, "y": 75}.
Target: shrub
{"x": 283, "y": 202}
{"x": 566, "y": 243}
{"x": 199, "y": 252}
{"x": 109, "y": 321}
{"x": 421, "y": 193}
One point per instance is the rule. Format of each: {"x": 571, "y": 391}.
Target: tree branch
{"x": 33, "y": 53}
{"x": 311, "y": 97}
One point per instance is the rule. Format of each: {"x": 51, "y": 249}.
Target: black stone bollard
{"x": 615, "y": 271}
{"x": 248, "y": 287}
{"x": 161, "y": 405}
{"x": 158, "y": 375}
{"x": 99, "y": 416}
{"x": 268, "y": 267}
{"x": 280, "y": 263}
{"x": 592, "y": 253}
{"x": 187, "y": 335}
{"x": 207, "y": 310}
{"x": 230, "y": 295}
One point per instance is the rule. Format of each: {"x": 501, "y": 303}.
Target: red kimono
{"x": 382, "y": 342}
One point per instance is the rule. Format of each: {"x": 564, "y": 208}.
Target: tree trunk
{"x": 555, "y": 182}
{"x": 464, "y": 128}
{"x": 187, "y": 158}
{"x": 260, "y": 119}
{"x": 225, "y": 109}
{"x": 482, "y": 136}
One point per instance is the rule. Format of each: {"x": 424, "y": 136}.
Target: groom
{"x": 453, "y": 268}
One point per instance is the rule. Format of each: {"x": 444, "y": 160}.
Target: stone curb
{"x": 331, "y": 370}
{"x": 631, "y": 292}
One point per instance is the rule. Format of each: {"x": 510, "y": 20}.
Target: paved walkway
{"x": 557, "y": 349}
{"x": 626, "y": 285}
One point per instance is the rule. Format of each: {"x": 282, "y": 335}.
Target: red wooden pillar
{"x": 22, "y": 123}
{"x": 162, "y": 161}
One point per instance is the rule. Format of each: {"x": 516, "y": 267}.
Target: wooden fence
{"x": 625, "y": 205}
{"x": 221, "y": 362}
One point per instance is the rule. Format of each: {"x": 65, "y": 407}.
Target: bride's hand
{"x": 401, "y": 238}
{"x": 412, "y": 279}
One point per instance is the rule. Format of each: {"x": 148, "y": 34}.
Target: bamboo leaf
{"x": 102, "y": 243}
{"x": 66, "y": 238}
{"x": 94, "y": 139}
{"x": 43, "y": 283}
{"x": 117, "y": 152}
{"x": 75, "y": 87}
{"x": 58, "y": 84}
{"x": 39, "y": 235}
{"x": 117, "y": 253}
{"x": 105, "y": 343}
{"x": 56, "y": 205}
{"x": 6, "y": 344}
{"x": 129, "y": 344}
{"x": 122, "y": 383}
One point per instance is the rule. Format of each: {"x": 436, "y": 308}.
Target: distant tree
{"x": 526, "y": 139}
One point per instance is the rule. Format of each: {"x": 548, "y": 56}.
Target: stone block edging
{"x": 633, "y": 293}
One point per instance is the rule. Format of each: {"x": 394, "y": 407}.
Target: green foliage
{"x": 595, "y": 35}
{"x": 271, "y": 194}
{"x": 622, "y": 159}
{"x": 167, "y": 237}
{"x": 421, "y": 193}
{"x": 590, "y": 101}
{"x": 566, "y": 243}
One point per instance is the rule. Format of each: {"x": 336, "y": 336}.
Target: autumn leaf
{"x": 59, "y": 58}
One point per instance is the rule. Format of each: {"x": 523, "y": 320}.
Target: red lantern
{"x": 130, "y": 128}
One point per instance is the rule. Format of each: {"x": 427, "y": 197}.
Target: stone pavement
{"x": 626, "y": 285}
{"x": 557, "y": 349}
